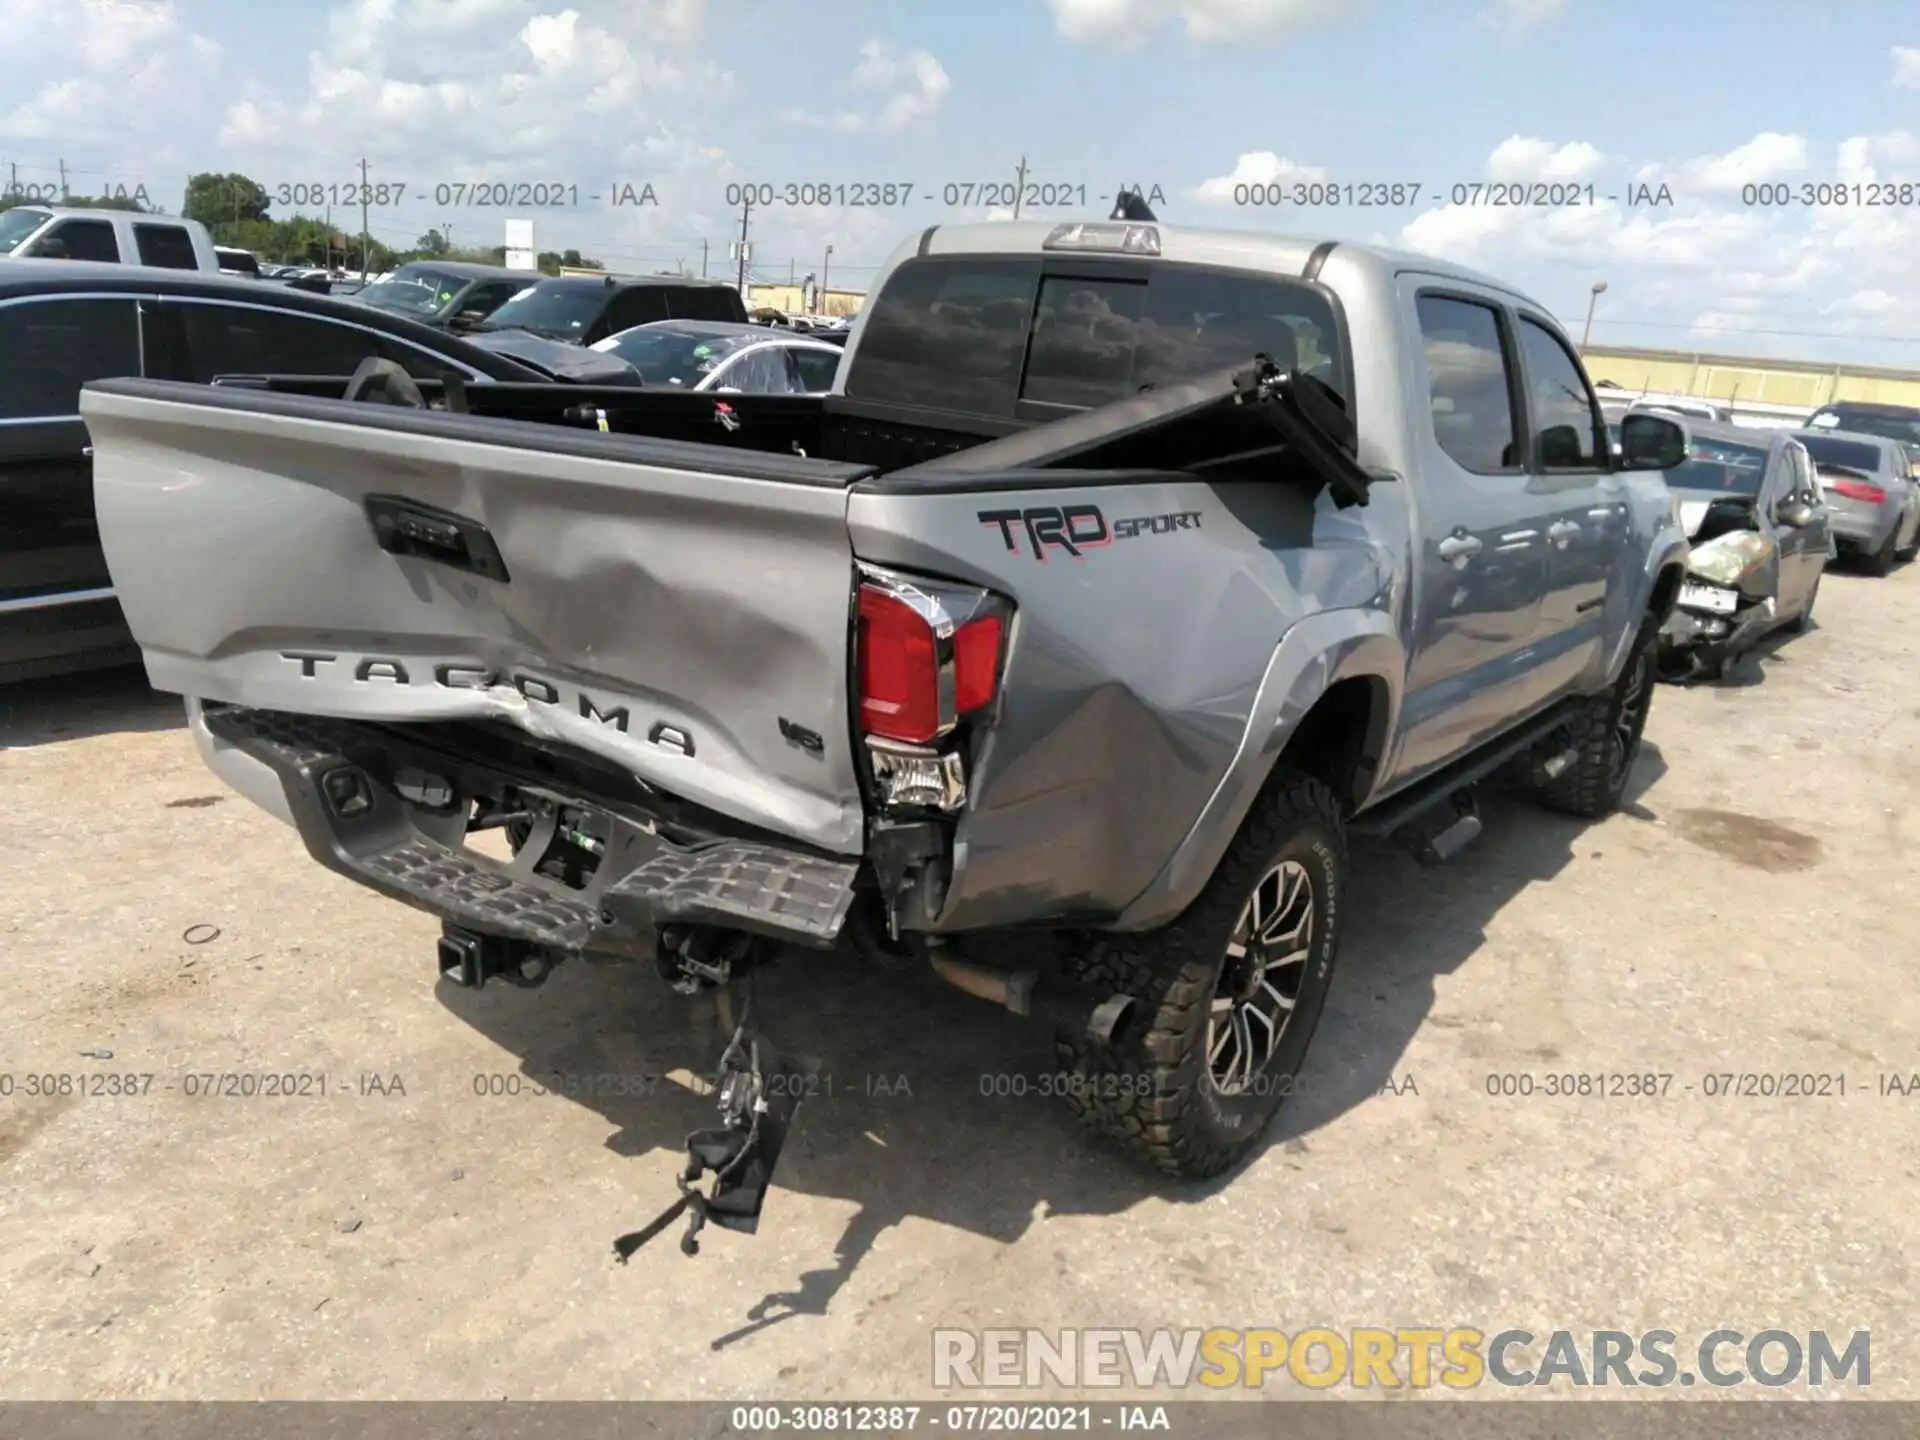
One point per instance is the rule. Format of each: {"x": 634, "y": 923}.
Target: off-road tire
{"x": 1151, "y": 1090}
{"x": 1803, "y": 622}
{"x": 1590, "y": 787}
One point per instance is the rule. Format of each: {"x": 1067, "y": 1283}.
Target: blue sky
{"x": 1705, "y": 97}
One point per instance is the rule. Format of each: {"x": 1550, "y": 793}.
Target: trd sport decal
{"x": 1079, "y": 528}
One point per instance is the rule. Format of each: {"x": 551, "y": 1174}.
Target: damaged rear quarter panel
{"x": 1132, "y": 671}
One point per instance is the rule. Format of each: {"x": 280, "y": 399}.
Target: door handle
{"x": 1561, "y": 531}
{"x": 1459, "y": 547}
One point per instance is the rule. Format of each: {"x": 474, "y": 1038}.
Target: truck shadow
{"x": 936, "y": 1106}
{"x": 77, "y": 707}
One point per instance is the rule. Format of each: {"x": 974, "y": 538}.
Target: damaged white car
{"x": 1752, "y": 506}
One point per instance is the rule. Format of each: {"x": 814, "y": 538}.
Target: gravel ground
{"x": 402, "y": 1235}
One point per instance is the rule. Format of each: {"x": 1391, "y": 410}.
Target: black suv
{"x": 63, "y": 323}
{"x": 579, "y": 309}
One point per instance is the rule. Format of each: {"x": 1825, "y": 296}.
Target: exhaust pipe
{"x": 1069, "y": 1007}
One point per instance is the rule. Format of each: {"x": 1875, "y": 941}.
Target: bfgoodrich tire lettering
{"x": 1153, "y": 1090}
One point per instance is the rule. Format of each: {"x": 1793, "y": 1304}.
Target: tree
{"x": 432, "y": 246}
{"x": 9, "y": 199}
{"x": 224, "y": 199}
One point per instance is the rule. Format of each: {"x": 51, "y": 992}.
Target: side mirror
{"x": 52, "y": 248}
{"x": 1652, "y": 442}
{"x": 1796, "y": 513}
{"x": 467, "y": 319}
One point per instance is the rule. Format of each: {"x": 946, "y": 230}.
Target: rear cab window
{"x": 705, "y": 302}
{"x": 169, "y": 247}
{"x": 1021, "y": 336}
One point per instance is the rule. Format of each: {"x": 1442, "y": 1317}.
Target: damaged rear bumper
{"x": 392, "y": 817}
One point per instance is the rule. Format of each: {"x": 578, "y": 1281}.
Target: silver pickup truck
{"x": 1127, "y": 569}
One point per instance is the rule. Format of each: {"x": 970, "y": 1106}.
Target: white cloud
{"x": 1517, "y": 17}
{"x": 1708, "y": 269}
{"x": 1129, "y": 24}
{"x": 913, "y": 83}
{"x": 122, "y": 61}
{"x": 1260, "y": 167}
{"x": 1906, "y": 67}
{"x": 1768, "y": 156}
{"x": 1527, "y": 158}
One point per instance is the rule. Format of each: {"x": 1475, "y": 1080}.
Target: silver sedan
{"x": 1872, "y": 501}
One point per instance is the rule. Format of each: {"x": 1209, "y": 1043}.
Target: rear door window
{"x": 1470, "y": 384}
{"x": 50, "y": 348}
{"x": 168, "y": 246}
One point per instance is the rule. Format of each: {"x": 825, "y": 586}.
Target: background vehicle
{"x": 1063, "y": 610}
{"x": 62, "y": 324}
{"x": 1872, "y": 499}
{"x": 1753, "y": 512}
{"x": 715, "y": 355}
{"x": 52, "y": 232}
{"x": 243, "y": 263}
{"x": 578, "y": 311}
{"x": 1890, "y": 422}
{"x": 450, "y": 294}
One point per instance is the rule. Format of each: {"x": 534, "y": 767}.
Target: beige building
{"x": 1742, "y": 379}
{"x": 791, "y": 300}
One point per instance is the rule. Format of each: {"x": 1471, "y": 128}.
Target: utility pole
{"x": 1019, "y": 187}
{"x": 63, "y": 182}
{"x": 703, "y": 259}
{"x": 820, "y": 300}
{"x": 13, "y": 177}
{"x": 746, "y": 210}
{"x": 364, "y": 239}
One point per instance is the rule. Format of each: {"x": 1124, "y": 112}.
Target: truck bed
{"x": 878, "y": 439}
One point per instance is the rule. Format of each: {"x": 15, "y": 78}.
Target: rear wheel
{"x": 1607, "y": 734}
{"x": 1880, "y": 562}
{"x": 1229, "y": 994}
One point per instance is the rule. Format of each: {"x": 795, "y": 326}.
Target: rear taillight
{"x": 899, "y": 669}
{"x": 1858, "y": 490}
{"x": 920, "y": 672}
{"x": 927, "y": 656}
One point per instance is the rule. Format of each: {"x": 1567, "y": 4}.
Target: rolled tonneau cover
{"x": 1228, "y": 418}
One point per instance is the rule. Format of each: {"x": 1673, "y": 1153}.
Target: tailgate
{"x": 679, "y": 609}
